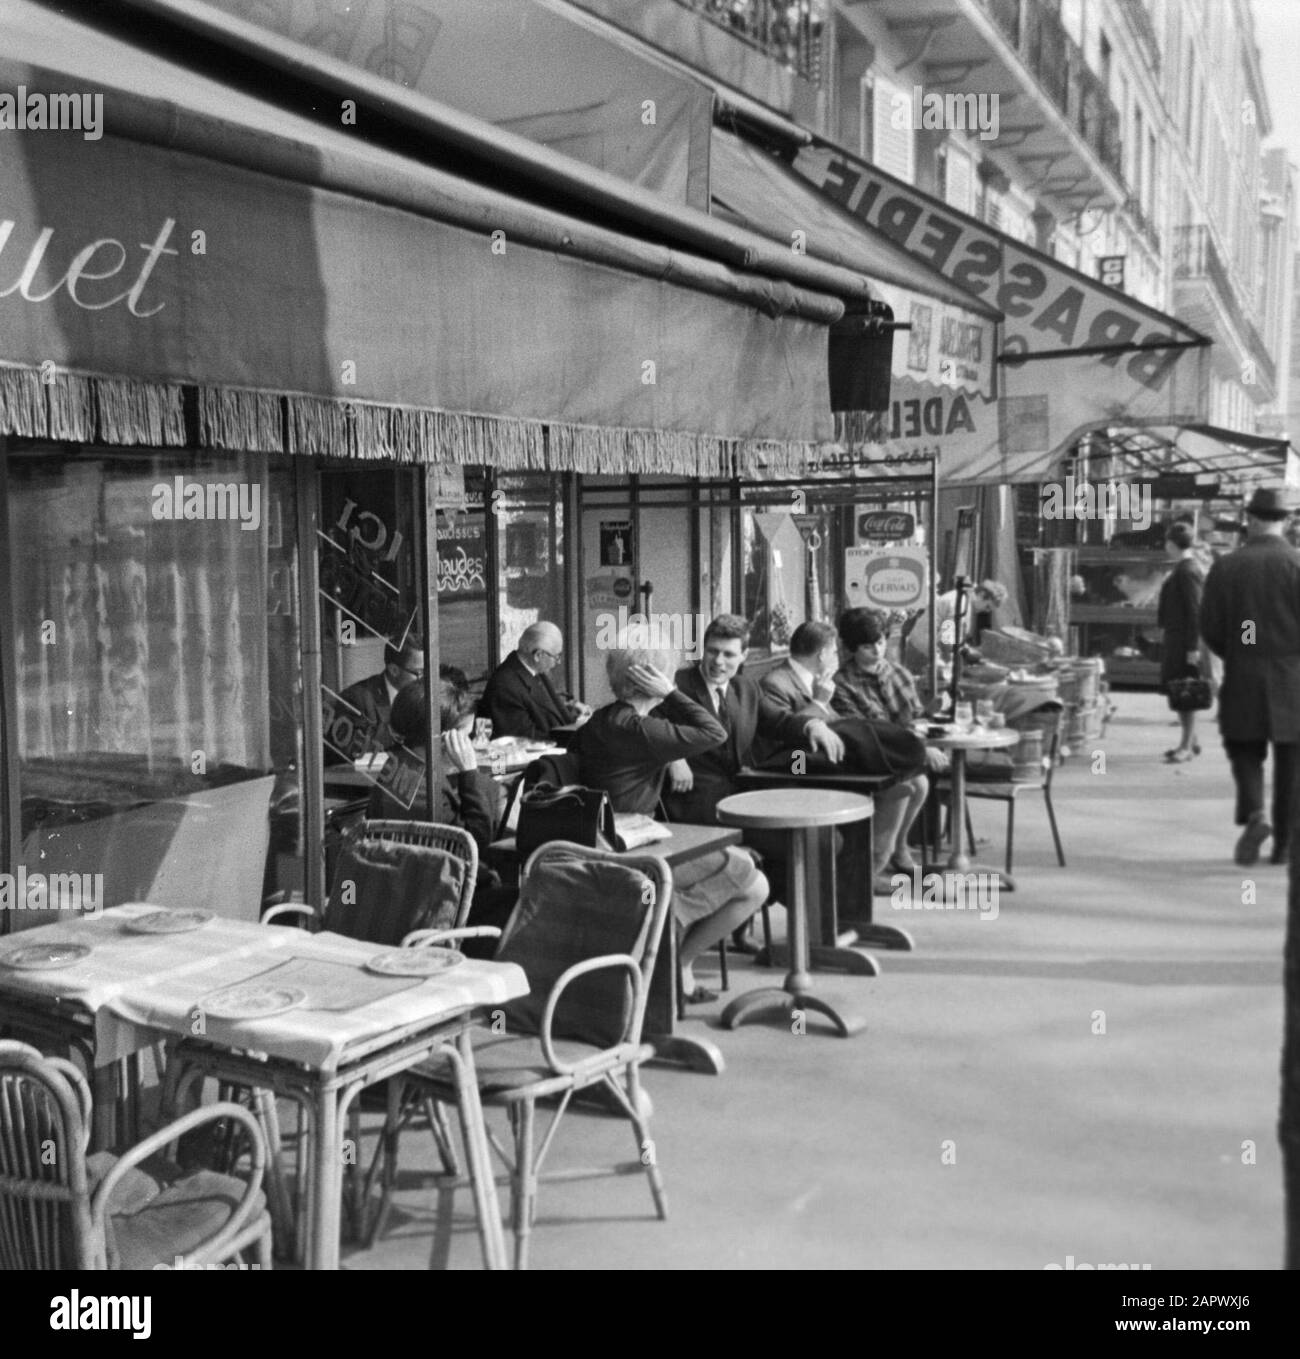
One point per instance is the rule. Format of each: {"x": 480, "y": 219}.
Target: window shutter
{"x": 892, "y": 148}
{"x": 958, "y": 180}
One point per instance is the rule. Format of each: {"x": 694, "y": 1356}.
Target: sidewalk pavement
{"x": 1093, "y": 1074}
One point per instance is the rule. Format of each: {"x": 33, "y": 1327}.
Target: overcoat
{"x": 1250, "y": 615}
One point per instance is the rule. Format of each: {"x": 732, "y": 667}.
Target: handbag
{"x": 1191, "y": 694}
{"x": 571, "y": 812}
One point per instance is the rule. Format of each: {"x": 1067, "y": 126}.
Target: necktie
{"x": 720, "y": 705}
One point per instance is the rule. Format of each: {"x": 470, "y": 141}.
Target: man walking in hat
{"x": 1250, "y": 616}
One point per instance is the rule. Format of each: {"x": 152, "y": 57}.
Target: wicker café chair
{"x": 62, "y": 1209}
{"x": 586, "y": 931}
{"x": 391, "y": 895}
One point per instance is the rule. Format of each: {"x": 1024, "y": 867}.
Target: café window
{"x": 800, "y": 551}
{"x": 500, "y": 565}
{"x": 155, "y": 655}
{"x": 792, "y": 565}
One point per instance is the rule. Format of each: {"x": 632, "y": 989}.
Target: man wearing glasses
{"x": 520, "y": 699}
{"x": 369, "y": 702}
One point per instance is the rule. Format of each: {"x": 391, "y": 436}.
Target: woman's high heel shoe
{"x": 1179, "y": 756}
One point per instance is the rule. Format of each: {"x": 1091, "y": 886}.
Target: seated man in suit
{"x": 520, "y": 698}
{"x": 625, "y": 749}
{"x": 696, "y": 785}
{"x": 369, "y": 702}
{"x": 805, "y": 685}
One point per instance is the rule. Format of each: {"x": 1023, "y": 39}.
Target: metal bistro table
{"x": 958, "y": 743}
{"x": 687, "y": 842}
{"x": 807, "y": 814}
{"x": 845, "y": 924}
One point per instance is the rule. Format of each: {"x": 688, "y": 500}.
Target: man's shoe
{"x": 1257, "y": 831}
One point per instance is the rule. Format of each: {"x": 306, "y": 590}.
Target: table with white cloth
{"x": 70, "y": 1006}
{"x": 350, "y": 1029}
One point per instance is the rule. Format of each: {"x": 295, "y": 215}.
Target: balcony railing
{"x": 1056, "y": 61}
{"x": 1196, "y": 257}
{"x": 789, "y": 31}
{"x": 1139, "y": 218}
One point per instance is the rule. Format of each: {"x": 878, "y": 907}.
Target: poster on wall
{"x": 609, "y": 590}
{"x": 886, "y": 577}
{"x": 616, "y": 542}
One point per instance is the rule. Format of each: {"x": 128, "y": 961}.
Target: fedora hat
{"x": 1268, "y": 503}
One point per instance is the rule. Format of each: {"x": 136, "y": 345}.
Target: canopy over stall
{"x": 208, "y": 266}
{"x": 1194, "y": 448}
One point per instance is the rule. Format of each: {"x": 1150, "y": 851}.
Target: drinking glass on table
{"x": 963, "y": 717}
{"x": 984, "y": 712}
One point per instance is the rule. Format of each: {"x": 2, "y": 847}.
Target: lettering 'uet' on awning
{"x": 356, "y": 322}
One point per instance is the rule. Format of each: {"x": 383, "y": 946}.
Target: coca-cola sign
{"x": 886, "y": 525}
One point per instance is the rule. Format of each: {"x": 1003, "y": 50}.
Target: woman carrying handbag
{"x": 1185, "y": 672}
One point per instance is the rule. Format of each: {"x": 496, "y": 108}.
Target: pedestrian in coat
{"x": 1250, "y": 616}
{"x": 1178, "y": 614}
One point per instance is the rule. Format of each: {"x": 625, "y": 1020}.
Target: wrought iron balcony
{"x": 1133, "y": 207}
{"x": 789, "y": 31}
{"x": 1197, "y": 258}
{"x": 1056, "y": 62}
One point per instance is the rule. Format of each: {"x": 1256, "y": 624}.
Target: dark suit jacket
{"x": 370, "y": 697}
{"x": 782, "y": 695}
{"x": 1259, "y": 584}
{"x": 521, "y": 703}
{"x": 755, "y": 730}
{"x": 626, "y": 754}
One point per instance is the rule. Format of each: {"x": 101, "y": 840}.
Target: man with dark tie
{"x": 520, "y": 698}
{"x": 696, "y": 785}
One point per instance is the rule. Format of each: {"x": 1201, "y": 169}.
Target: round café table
{"x": 806, "y": 814}
{"x": 958, "y": 744}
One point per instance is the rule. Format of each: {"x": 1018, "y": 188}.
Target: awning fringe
{"x": 54, "y": 404}
{"x": 127, "y": 411}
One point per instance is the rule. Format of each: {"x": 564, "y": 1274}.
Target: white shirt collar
{"x": 525, "y": 664}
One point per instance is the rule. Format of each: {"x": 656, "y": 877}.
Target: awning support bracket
{"x": 1008, "y": 358}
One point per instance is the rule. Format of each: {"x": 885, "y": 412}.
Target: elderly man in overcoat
{"x": 1250, "y": 616}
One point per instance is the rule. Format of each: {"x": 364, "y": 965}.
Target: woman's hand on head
{"x": 651, "y": 680}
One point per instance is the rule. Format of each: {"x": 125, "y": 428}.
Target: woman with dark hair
{"x": 466, "y": 795}
{"x": 1184, "y": 653}
{"x": 871, "y": 687}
